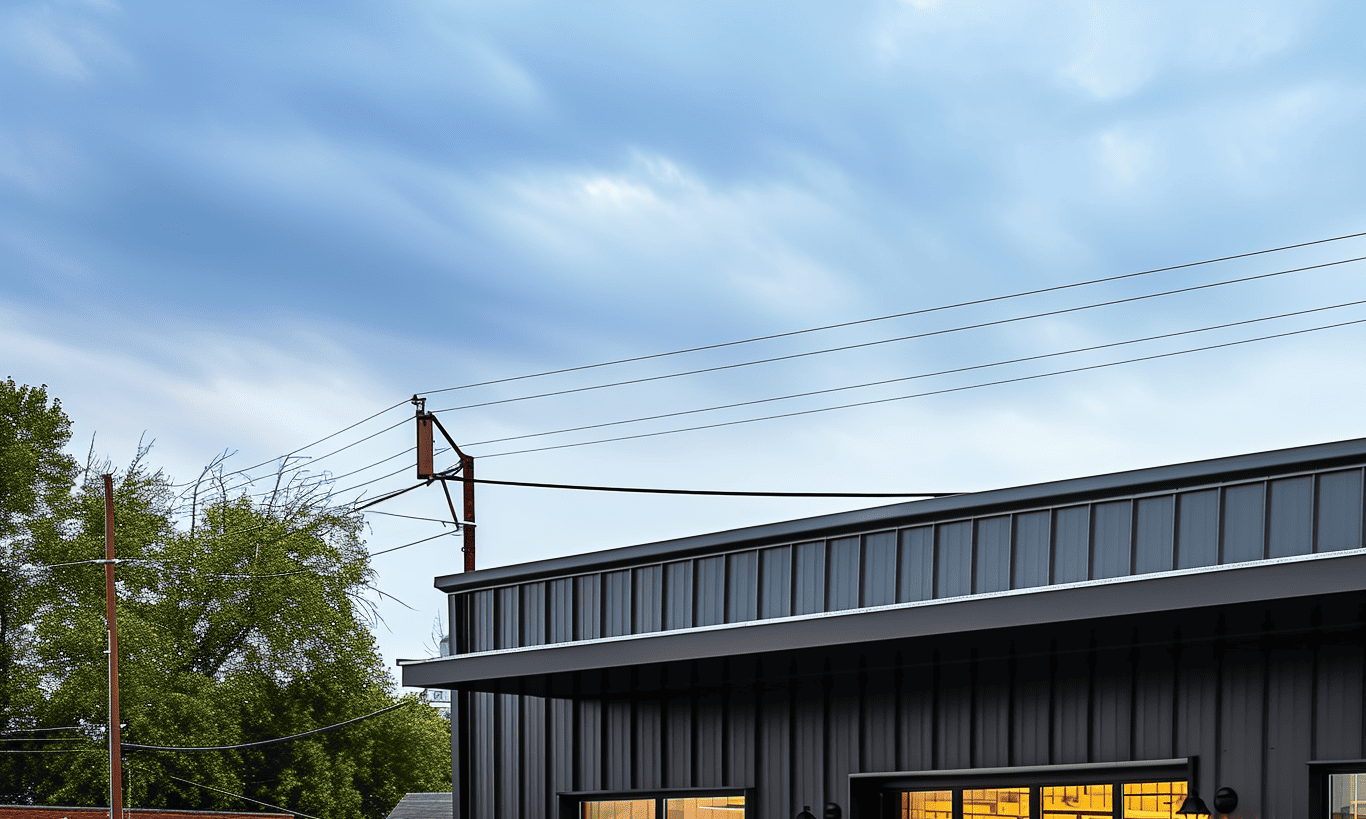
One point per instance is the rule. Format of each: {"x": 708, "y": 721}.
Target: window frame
{"x": 879, "y": 795}
{"x": 1319, "y": 773}
{"x": 571, "y": 802}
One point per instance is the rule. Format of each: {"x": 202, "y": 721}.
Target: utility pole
{"x": 115, "y": 739}
{"x": 426, "y": 470}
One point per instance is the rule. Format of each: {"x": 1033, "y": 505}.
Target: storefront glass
{"x": 982, "y": 804}
{"x": 1153, "y": 800}
{"x": 623, "y": 809}
{"x": 927, "y": 805}
{"x": 1077, "y": 801}
{"x": 705, "y": 807}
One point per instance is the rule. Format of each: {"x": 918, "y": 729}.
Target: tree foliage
{"x": 241, "y": 618}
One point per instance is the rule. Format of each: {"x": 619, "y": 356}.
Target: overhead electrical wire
{"x": 138, "y": 747}
{"x": 904, "y": 314}
{"x": 327, "y": 437}
{"x": 886, "y": 381}
{"x": 735, "y": 493}
{"x": 414, "y": 543}
{"x": 877, "y": 342}
{"x": 305, "y": 464}
{"x": 230, "y": 793}
{"x": 922, "y": 394}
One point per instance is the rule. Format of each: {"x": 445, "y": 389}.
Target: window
{"x": 1138, "y": 800}
{"x": 1347, "y": 796}
{"x": 663, "y": 805}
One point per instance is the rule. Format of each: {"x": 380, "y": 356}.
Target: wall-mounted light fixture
{"x": 1194, "y": 805}
{"x": 805, "y": 813}
{"x": 1226, "y": 800}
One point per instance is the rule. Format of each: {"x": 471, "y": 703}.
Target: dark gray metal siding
{"x": 1182, "y": 528}
{"x": 1254, "y": 693}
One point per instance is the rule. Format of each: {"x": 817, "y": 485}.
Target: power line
{"x": 886, "y": 381}
{"x": 414, "y": 543}
{"x": 927, "y": 334}
{"x": 305, "y": 446}
{"x": 259, "y": 743}
{"x": 922, "y": 394}
{"x": 311, "y": 461}
{"x": 922, "y": 311}
{"x": 230, "y": 793}
{"x": 716, "y": 492}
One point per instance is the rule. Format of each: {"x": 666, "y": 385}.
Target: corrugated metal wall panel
{"x": 1197, "y": 529}
{"x": 480, "y": 613}
{"x": 916, "y": 707}
{"x": 808, "y": 587}
{"x": 1339, "y": 511}
{"x": 774, "y": 746}
{"x": 1244, "y": 529}
{"x": 561, "y": 625}
{"x": 1154, "y": 675}
{"x": 709, "y": 591}
{"x": 617, "y": 759}
{"x": 509, "y": 614}
{"x": 953, "y": 559}
{"x": 533, "y": 613}
{"x": 843, "y": 583}
{"x": 1338, "y": 721}
{"x": 844, "y": 739}
{"x": 953, "y": 724}
{"x": 1240, "y": 752}
{"x": 993, "y": 554}
{"x": 808, "y": 743}
{"x": 617, "y": 609}
{"x": 879, "y": 569}
{"x": 991, "y": 745}
{"x": 1112, "y": 708}
{"x": 742, "y": 587}
{"x": 678, "y": 742}
{"x": 1290, "y": 694}
{"x": 1291, "y": 527}
{"x": 533, "y": 762}
{"x": 589, "y": 745}
{"x": 917, "y": 565}
{"x": 648, "y": 599}
{"x": 1111, "y": 530}
{"x": 1031, "y": 549}
{"x": 678, "y": 595}
{"x": 1071, "y": 704}
{"x": 1196, "y": 703}
{"x": 1033, "y": 694}
{"x": 1154, "y": 534}
{"x": 649, "y": 744}
{"x": 560, "y": 752}
{"x": 775, "y": 569}
{"x": 509, "y": 756}
{"x": 484, "y": 777}
{"x": 708, "y": 740}
{"x": 739, "y": 738}
{"x": 1071, "y": 544}
{"x": 879, "y": 715}
{"x": 588, "y": 607}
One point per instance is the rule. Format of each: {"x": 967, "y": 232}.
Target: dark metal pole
{"x": 467, "y": 471}
{"x": 115, "y": 739}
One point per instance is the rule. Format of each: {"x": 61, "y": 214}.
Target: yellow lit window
{"x": 626, "y": 809}
{"x": 705, "y": 807}
{"x": 1077, "y": 801}
{"x": 927, "y": 805}
{"x": 1347, "y": 796}
{"x": 1153, "y": 800}
{"x": 1011, "y": 802}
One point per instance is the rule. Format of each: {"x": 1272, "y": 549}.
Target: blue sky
{"x": 241, "y": 227}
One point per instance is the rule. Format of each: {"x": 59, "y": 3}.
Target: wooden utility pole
{"x": 427, "y": 471}
{"x": 115, "y": 738}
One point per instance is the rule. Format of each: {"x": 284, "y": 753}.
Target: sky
{"x": 241, "y": 227}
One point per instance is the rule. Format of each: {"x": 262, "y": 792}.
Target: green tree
{"x": 36, "y": 479}
{"x": 241, "y": 618}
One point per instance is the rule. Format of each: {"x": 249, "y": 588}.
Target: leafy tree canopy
{"x": 242, "y": 617}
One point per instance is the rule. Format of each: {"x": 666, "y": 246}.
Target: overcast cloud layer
{"x": 243, "y": 226}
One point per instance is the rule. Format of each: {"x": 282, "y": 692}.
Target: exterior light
{"x": 1193, "y": 806}
{"x": 806, "y": 813}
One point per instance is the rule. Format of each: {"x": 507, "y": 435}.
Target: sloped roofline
{"x": 1151, "y": 479}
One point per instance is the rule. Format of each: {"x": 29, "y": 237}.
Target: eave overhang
{"x": 560, "y": 667}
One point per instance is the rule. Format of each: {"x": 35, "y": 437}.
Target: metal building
{"x": 1100, "y": 647}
